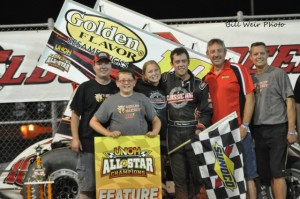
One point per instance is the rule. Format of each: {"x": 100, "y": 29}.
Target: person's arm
{"x": 99, "y": 128}
{"x": 291, "y": 115}
{"x": 156, "y": 125}
{"x": 204, "y": 111}
{"x": 298, "y": 120}
{"x": 75, "y": 144}
{"x": 248, "y": 112}
{"x": 297, "y": 101}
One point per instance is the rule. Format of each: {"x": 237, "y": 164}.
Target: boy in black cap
{"x": 87, "y": 99}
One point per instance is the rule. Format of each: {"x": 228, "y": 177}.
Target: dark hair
{"x": 215, "y": 41}
{"x": 179, "y": 51}
{"x": 259, "y": 43}
{"x": 125, "y": 71}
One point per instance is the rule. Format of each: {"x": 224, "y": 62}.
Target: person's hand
{"x": 76, "y": 145}
{"x": 115, "y": 134}
{"x": 292, "y": 138}
{"x": 151, "y": 134}
{"x": 197, "y": 131}
{"x": 243, "y": 132}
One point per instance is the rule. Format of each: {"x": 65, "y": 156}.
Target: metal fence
{"x": 23, "y": 124}
{"x": 239, "y": 17}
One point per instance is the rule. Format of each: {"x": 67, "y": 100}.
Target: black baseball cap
{"x": 101, "y": 56}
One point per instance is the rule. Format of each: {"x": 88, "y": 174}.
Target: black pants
{"x": 184, "y": 166}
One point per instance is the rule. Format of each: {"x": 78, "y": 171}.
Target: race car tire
{"x": 293, "y": 178}
{"x": 60, "y": 167}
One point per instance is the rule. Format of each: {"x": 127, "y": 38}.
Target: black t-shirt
{"x": 86, "y": 101}
{"x": 297, "y": 91}
{"x": 158, "y": 100}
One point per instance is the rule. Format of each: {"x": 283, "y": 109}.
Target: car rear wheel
{"x": 60, "y": 167}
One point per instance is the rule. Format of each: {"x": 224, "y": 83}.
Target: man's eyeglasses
{"x": 123, "y": 81}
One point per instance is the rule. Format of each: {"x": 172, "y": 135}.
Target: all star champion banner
{"x": 80, "y": 32}
{"x": 128, "y": 167}
{"x": 218, "y": 151}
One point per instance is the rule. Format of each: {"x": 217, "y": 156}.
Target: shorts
{"x": 249, "y": 158}
{"x": 271, "y": 150}
{"x": 86, "y": 172}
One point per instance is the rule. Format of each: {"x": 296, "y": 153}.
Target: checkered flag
{"x": 110, "y": 154}
{"x": 218, "y": 151}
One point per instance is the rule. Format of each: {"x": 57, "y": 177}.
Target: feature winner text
{"x": 142, "y": 193}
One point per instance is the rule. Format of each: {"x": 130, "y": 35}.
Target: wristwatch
{"x": 292, "y": 133}
{"x": 245, "y": 125}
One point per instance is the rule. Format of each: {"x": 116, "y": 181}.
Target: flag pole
{"x": 180, "y": 146}
{"x": 233, "y": 114}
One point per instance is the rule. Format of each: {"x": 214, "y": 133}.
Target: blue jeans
{"x": 250, "y": 169}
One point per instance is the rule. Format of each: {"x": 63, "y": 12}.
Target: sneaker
{"x": 264, "y": 192}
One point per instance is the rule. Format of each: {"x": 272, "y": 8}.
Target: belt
{"x": 183, "y": 123}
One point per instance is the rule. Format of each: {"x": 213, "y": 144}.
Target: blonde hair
{"x": 146, "y": 64}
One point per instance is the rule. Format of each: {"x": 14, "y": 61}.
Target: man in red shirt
{"x": 231, "y": 89}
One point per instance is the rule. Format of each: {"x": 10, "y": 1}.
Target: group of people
{"x": 265, "y": 101}
{"x": 177, "y": 105}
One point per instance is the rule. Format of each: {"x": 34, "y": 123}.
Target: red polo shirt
{"x": 226, "y": 93}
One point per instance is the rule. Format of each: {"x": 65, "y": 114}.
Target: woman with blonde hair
{"x": 150, "y": 86}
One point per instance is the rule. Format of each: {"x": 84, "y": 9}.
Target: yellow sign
{"x": 128, "y": 167}
{"x": 95, "y": 32}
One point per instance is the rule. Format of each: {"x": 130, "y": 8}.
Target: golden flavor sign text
{"x": 91, "y": 33}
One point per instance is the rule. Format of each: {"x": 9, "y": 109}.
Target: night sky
{"x": 34, "y": 11}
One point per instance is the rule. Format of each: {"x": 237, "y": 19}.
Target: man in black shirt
{"x": 87, "y": 99}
